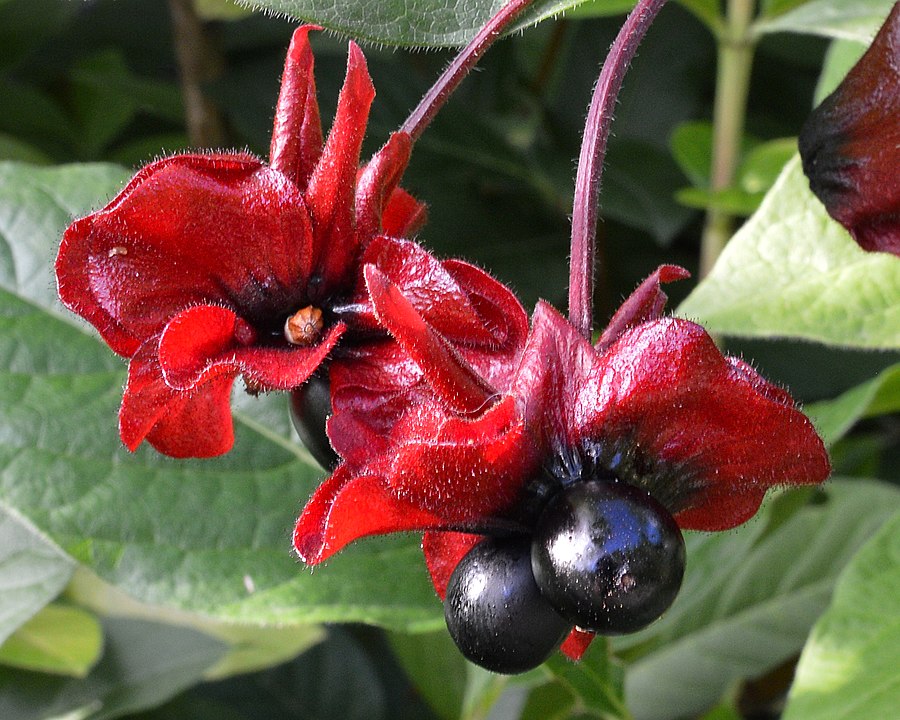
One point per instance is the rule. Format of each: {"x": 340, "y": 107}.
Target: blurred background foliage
{"x": 100, "y": 80}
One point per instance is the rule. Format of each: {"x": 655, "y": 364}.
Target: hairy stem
{"x": 735, "y": 59}
{"x": 450, "y": 79}
{"x": 198, "y": 62}
{"x": 590, "y": 162}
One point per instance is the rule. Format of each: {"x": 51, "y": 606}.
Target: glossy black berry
{"x": 310, "y": 408}
{"x": 495, "y": 612}
{"x": 607, "y": 556}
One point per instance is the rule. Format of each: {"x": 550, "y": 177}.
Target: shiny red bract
{"x": 654, "y": 402}
{"x": 192, "y": 271}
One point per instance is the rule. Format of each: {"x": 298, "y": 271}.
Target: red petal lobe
{"x": 297, "y": 133}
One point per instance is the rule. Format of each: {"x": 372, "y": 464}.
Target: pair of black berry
{"x": 604, "y": 556}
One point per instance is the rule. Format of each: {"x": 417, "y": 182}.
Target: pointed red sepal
{"x": 550, "y": 378}
{"x": 647, "y": 302}
{"x": 455, "y": 382}
{"x": 297, "y": 131}
{"x": 330, "y": 195}
{"x": 176, "y": 423}
{"x": 403, "y": 216}
{"x": 850, "y": 145}
{"x": 345, "y": 508}
{"x": 376, "y": 184}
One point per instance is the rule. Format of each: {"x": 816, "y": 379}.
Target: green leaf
{"x": 550, "y": 701}
{"x": 61, "y": 640}
{"x": 414, "y": 22}
{"x": 878, "y": 396}
{"x": 733, "y": 201}
{"x": 691, "y": 146}
{"x": 143, "y": 665}
{"x": 858, "y": 20}
{"x": 596, "y": 681}
{"x": 436, "y": 667}
{"x": 220, "y": 10}
{"x": 763, "y": 162}
{"x": 210, "y": 537}
{"x": 848, "y": 668}
{"x": 708, "y": 11}
{"x": 748, "y": 600}
{"x": 792, "y": 271}
{"x": 776, "y": 7}
{"x": 33, "y": 571}
{"x": 251, "y": 646}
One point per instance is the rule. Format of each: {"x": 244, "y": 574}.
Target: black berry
{"x": 495, "y": 612}
{"x": 310, "y": 408}
{"x": 607, "y": 556}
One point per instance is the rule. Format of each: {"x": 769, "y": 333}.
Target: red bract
{"x": 654, "y": 403}
{"x": 851, "y": 145}
{"x": 210, "y": 266}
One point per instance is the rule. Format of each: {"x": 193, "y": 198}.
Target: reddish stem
{"x": 590, "y": 162}
{"x": 435, "y": 98}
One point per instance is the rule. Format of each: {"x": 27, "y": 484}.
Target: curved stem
{"x": 450, "y": 79}
{"x": 735, "y": 59}
{"x": 590, "y": 162}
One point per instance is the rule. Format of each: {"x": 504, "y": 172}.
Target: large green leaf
{"x": 60, "y": 639}
{"x": 414, "y": 22}
{"x": 878, "y": 396}
{"x": 207, "y": 536}
{"x": 33, "y": 571}
{"x": 857, "y": 20}
{"x": 250, "y": 646}
{"x": 143, "y": 665}
{"x": 792, "y": 271}
{"x": 848, "y": 669}
{"x": 748, "y": 601}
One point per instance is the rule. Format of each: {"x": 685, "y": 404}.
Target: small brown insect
{"x": 304, "y": 327}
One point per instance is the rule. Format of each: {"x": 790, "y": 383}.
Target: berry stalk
{"x": 590, "y": 162}
{"x": 468, "y": 57}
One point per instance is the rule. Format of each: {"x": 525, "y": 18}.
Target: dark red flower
{"x": 654, "y": 402}
{"x": 850, "y": 145}
{"x": 210, "y": 266}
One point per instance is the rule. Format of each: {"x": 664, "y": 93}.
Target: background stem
{"x": 198, "y": 63}
{"x": 735, "y": 59}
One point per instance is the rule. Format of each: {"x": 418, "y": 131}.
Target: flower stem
{"x": 590, "y": 162}
{"x": 450, "y": 79}
{"x": 735, "y": 59}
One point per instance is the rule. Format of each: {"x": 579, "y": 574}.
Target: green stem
{"x": 735, "y": 59}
